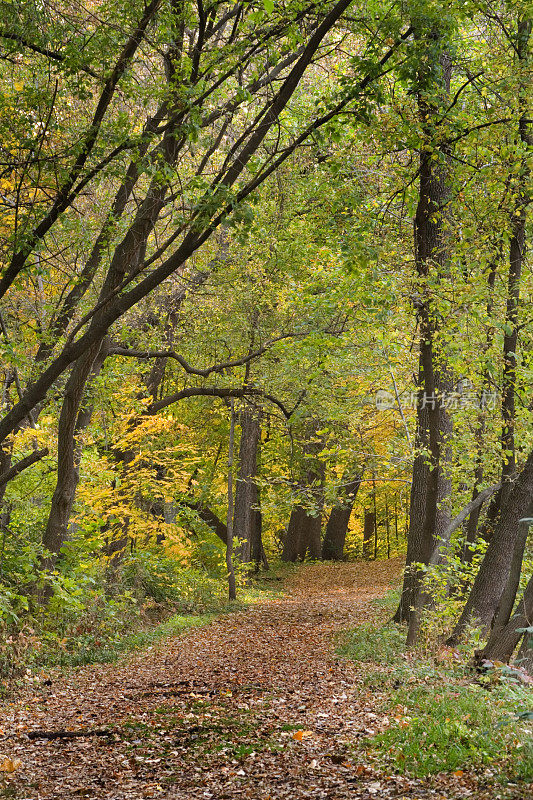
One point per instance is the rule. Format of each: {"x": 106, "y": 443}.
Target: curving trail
{"x": 254, "y": 705}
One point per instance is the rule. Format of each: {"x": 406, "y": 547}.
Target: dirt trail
{"x": 255, "y": 705}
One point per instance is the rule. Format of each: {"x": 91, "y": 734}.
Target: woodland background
{"x": 265, "y": 294}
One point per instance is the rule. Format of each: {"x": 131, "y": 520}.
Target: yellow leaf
{"x": 19, "y": 86}
{"x": 10, "y": 765}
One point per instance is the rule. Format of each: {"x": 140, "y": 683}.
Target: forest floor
{"x": 254, "y": 705}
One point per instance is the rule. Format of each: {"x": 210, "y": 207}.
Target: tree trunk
{"x": 6, "y": 452}
{"x": 517, "y": 253}
{"x": 494, "y": 571}
{"x": 473, "y": 520}
{"x": 128, "y": 254}
{"x": 503, "y": 642}
{"x": 337, "y": 527}
{"x": 524, "y": 658}
{"x": 311, "y": 538}
{"x": 232, "y": 590}
{"x": 507, "y": 601}
{"x": 291, "y": 542}
{"x": 368, "y": 534}
{"x": 430, "y": 485}
{"x": 304, "y": 532}
{"x": 314, "y": 536}
{"x": 471, "y": 527}
{"x": 246, "y": 523}
{"x": 418, "y": 550}
{"x": 491, "y": 581}
{"x": 387, "y": 525}
{"x": 208, "y": 516}
{"x": 73, "y": 420}
{"x": 374, "y": 501}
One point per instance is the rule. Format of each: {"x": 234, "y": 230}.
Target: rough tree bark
{"x": 232, "y": 589}
{"x": 494, "y": 571}
{"x": 311, "y": 539}
{"x": 508, "y": 598}
{"x": 291, "y": 540}
{"x": 504, "y": 641}
{"x": 524, "y": 657}
{"x": 430, "y": 484}
{"x": 247, "y": 515}
{"x": 337, "y": 527}
{"x": 305, "y": 525}
{"x": 369, "y": 526}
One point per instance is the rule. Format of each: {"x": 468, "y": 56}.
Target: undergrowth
{"x": 439, "y": 715}
{"x": 99, "y": 616}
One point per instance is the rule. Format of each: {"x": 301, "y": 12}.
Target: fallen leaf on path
{"x": 299, "y": 735}
{"x": 10, "y": 765}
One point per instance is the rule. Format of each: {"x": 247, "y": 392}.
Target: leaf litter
{"x": 254, "y": 705}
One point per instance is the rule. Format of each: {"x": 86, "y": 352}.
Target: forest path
{"x": 255, "y": 705}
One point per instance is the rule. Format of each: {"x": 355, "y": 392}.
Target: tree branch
{"x": 64, "y": 197}
{"x": 190, "y": 243}
{"x": 215, "y": 391}
{"x": 204, "y": 373}
{"x": 21, "y": 465}
{"x": 43, "y": 51}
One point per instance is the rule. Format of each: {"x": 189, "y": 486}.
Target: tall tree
{"x": 430, "y": 482}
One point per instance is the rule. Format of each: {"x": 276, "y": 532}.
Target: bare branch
{"x": 215, "y": 391}
{"x": 204, "y": 373}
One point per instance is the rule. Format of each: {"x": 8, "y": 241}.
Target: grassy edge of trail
{"x": 133, "y": 634}
{"x": 437, "y": 714}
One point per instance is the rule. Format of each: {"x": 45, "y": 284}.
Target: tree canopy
{"x": 295, "y": 231}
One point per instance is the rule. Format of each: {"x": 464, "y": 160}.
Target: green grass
{"x": 368, "y": 644}
{"x": 456, "y": 727}
{"x": 441, "y": 718}
{"x": 91, "y": 649}
{"x": 107, "y": 645}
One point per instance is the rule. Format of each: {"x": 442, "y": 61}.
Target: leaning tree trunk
{"x": 208, "y": 516}
{"x": 504, "y": 641}
{"x": 339, "y": 519}
{"x": 73, "y": 421}
{"x": 127, "y": 256}
{"x": 493, "y": 576}
{"x": 507, "y": 601}
{"x": 524, "y": 658}
{"x": 6, "y": 451}
{"x": 494, "y": 571}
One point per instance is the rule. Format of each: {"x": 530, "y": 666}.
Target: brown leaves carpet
{"x": 255, "y": 705}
